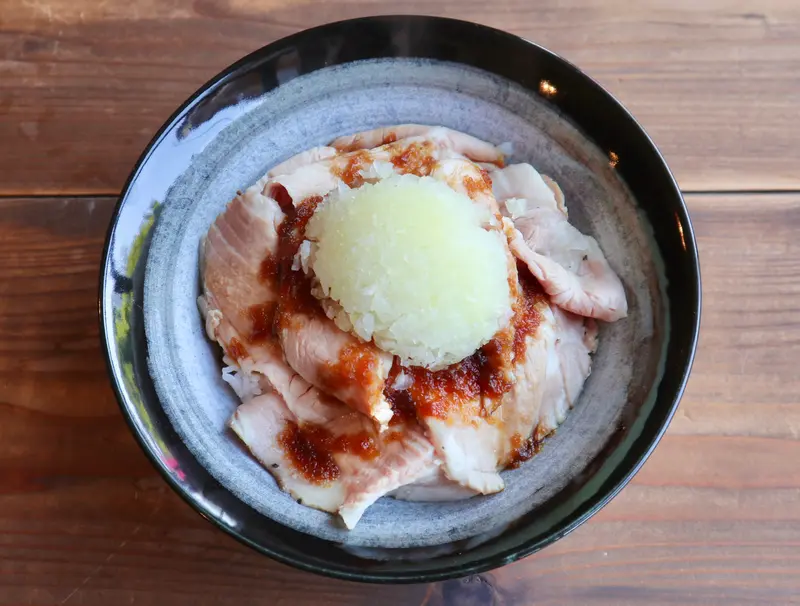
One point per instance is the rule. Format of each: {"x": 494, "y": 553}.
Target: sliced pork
{"x": 338, "y": 363}
{"x": 568, "y": 365}
{"x": 265, "y": 425}
{"x": 570, "y": 265}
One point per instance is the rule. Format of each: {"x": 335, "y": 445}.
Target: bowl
{"x": 354, "y": 75}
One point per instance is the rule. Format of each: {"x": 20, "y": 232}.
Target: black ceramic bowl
{"x": 506, "y": 84}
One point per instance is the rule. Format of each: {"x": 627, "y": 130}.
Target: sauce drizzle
{"x": 527, "y": 317}
{"x": 483, "y": 375}
{"x": 311, "y": 448}
{"x": 351, "y": 173}
{"x": 295, "y": 287}
{"x": 416, "y": 159}
{"x": 404, "y": 411}
{"x": 357, "y": 364}
{"x": 475, "y": 186}
{"x": 303, "y": 451}
{"x": 522, "y": 450}
{"x": 235, "y": 350}
{"x": 261, "y": 315}
{"x": 268, "y": 270}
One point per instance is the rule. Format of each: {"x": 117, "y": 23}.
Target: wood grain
{"x": 713, "y": 518}
{"x": 84, "y": 85}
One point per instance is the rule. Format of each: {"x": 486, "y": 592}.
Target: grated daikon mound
{"x": 408, "y": 262}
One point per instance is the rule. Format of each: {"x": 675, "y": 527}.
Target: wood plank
{"x": 84, "y": 85}
{"x": 714, "y": 516}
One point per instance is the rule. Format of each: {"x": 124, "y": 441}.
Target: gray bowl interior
{"x": 313, "y": 109}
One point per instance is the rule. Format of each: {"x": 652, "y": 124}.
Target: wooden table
{"x": 714, "y": 516}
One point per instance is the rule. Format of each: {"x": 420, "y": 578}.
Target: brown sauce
{"x": 303, "y": 450}
{"x": 279, "y": 193}
{"x": 393, "y": 436}
{"x": 360, "y": 444}
{"x": 261, "y": 316}
{"x": 357, "y": 365}
{"x": 484, "y": 374}
{"x": 235, "y": 350}
{"x": 474, "y": 186}
{"x": 404, "y": 412}
{"x": 295, "y": 298}
{"x": 493, "y": 364}
{"x": 416, "y": 159}
{"x": 268, "y": 270}
{"x": 351, "y": 173}
{"x": 311, "y": 449}
{"x": 292, "y": 229}
{"x": 523, "y": 449}
{"x": 437, "y": 393}
{"x": 295, "y": 287}
{"x": 528, "y": 317}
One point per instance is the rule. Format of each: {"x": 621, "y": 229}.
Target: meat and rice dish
{"x": 401, "y": 314}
